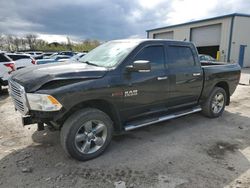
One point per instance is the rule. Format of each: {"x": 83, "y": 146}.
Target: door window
{"x": 15, "y": 57}
{"x": 153, "y": 54}
{"x": 3, "y": 58}
{"x": 180, "y": 57}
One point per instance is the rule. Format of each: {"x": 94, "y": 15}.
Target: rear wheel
{"x": 86, "y": 134}
{"x": 215, "y": 103}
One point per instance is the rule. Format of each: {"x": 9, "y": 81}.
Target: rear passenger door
{"x": 185, "y": 74}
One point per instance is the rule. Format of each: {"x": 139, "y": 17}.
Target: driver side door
{"x": 146, "y": 92}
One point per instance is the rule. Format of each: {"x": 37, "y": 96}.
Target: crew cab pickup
{"x": 120, "y": 86}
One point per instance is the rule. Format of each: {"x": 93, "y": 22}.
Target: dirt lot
{"x": 191, "y": 151}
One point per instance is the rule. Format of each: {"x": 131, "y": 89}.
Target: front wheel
{"x": 86, "y": 134}
{"x": 215, "y": 103}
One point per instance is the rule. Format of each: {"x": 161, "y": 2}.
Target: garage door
{"x": 207, "y": 35}
{"x": 165, "y": 35}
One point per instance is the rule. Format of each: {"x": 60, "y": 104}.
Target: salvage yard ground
{"x": 191, "y": 151}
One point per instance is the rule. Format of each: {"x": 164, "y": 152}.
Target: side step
{"x": 132, "y": 126}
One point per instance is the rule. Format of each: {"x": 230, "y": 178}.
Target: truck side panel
{"x": 227, "y": 74}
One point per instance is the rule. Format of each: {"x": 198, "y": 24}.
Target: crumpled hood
{"x": 32, "y": 78}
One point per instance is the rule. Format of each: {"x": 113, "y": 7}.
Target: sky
{"x": 54, "y": 20}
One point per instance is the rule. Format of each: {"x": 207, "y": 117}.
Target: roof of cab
{"x": 148, "y": 40}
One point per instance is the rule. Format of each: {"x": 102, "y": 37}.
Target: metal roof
{"x": 145, "y": 40}
{"x": 203, "y": 20}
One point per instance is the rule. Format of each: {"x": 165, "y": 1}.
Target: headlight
{"x": 43, "y": 102}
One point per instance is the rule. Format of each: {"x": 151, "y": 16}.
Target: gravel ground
{"x": 192, "y": 151}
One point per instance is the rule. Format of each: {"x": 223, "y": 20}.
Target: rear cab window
{"x": 180, "y": 57}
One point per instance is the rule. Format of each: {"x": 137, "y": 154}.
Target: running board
{"x": 163, "y": 118}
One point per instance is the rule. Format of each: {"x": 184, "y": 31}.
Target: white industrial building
{"x": 225, "y": 37}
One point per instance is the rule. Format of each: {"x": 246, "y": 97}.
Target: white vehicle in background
{"x": 206, "y": 58}
{"x": 77, "y": 56}
{"x": 53, "y": 59}
{"x": 36, "y": 55}
{"x": 47, "y": 55}
{"x": 7, "y": 66}
{"x": 22, "y": 60}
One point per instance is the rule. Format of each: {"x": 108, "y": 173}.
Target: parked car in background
{"x": 47, "y": 55}
{"x": 7, "y": 66}
{"x": 22, "y": 60}
{"x": 77, "y": 56}
{"x": 69, "y": 53}
{"x": 53, "y": 59}
{"x": 19, "y": 52}
{"x": 206, "y": 58}
{"x": 36, "y": 55}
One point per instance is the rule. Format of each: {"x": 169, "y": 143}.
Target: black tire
{"x": 72, "y": 126}
{"x": 207, "y": 108}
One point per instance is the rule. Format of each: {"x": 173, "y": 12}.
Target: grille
{"x": 18, "y": 96}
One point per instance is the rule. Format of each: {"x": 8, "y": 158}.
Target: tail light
{"x": 33, "y": 61}
{"x": 11, "y": 66}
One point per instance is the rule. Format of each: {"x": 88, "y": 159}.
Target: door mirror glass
{"x": 139, "y": 66}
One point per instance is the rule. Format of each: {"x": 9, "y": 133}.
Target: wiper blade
{"x": 87, "y": 62}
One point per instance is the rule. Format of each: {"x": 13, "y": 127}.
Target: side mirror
{"x": 139, "y": 66}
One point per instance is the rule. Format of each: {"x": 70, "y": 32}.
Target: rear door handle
{"x": 162, "y": 78}
{"x": 197, "y": 74}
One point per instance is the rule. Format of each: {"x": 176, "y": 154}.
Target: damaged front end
{"x": 29, "y": 115}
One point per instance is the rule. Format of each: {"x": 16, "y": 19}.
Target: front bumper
{"x": 27, "y": 120}
{"x": 19, "y": 98}
{"x": 3, "y": 82}
{"x": 40, "y": 117}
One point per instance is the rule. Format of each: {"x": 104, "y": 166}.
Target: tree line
{"x": 31, "y": 42}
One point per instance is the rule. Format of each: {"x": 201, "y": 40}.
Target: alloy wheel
{"x": 218, "y": 103}
{"x": 91, "y": 136}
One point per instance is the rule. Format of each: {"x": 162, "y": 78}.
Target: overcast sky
{"x": 53, "y": 20}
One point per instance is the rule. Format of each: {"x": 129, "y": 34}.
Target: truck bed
{"x": 213, "y": 63}
{"x": 222, "y": 73}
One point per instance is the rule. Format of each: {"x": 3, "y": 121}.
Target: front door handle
{"x": 197, "y": 74}
{"x": 162, "y": 78}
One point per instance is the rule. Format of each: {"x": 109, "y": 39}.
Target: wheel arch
{"x": 224, "y": 85}
{"x": 100, "y": 104}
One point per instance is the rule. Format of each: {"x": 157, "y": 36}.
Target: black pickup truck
{"x": 120, "y": 86}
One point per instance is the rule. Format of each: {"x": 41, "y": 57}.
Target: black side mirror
{"x": 139, "y": 66}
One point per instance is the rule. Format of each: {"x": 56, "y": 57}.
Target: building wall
{"x": 241, "y": 36}
{"x": 183, "y": 32}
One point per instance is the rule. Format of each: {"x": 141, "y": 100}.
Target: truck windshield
{"x": 109, "y": 54}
